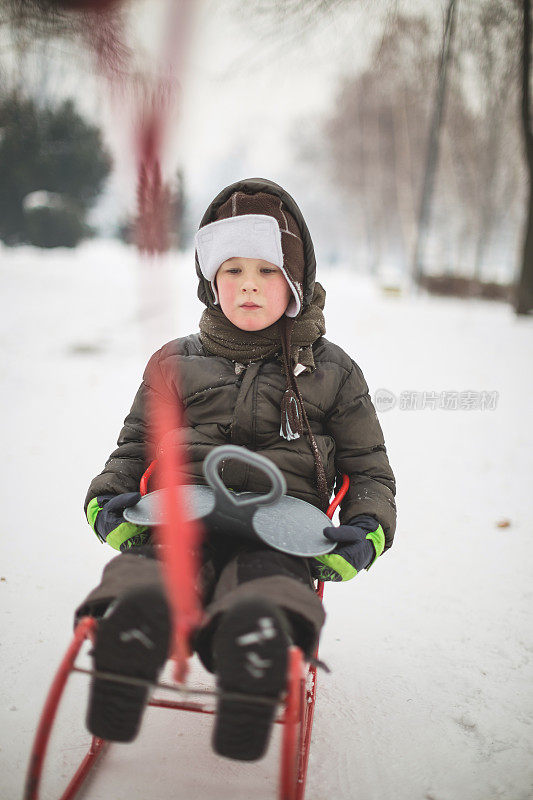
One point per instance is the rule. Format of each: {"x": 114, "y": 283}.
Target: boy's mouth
{"x": 250, "y": 305}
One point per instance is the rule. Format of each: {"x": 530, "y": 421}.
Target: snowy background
{"x": 431, "y": 652}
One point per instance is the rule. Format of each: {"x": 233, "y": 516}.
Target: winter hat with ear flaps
{"x": 254, "y": 226}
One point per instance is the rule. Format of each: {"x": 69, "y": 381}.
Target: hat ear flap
{"x": 294, "y": 306}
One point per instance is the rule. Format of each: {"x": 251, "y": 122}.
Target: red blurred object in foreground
{"x": 180, "y": 536}
{"x": 153, "y": 201}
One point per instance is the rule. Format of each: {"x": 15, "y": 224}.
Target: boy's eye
{"x": 235, "y": 270}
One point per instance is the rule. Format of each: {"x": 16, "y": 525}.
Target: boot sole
{"x": 132, "y": 641}
{"x": 244, "y": 666}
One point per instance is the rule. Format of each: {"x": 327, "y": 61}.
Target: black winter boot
{"x": 133, "y": 640}
{"x": 250, "y": 654}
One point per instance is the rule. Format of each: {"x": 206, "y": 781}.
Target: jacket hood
{"x": 253, "y": 186}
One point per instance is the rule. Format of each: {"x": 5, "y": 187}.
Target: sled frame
{"x": 297, "y": 716}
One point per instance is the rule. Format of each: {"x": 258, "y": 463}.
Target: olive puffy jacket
{"x": 224, "y": 402}
{"x": 221, "y": 406}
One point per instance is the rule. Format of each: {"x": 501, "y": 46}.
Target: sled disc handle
{"x": 210, "y": 467}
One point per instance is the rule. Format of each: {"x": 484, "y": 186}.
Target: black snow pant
{"x": 228, "y": 575}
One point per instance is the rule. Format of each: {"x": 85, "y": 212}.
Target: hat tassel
{"x": 291, "y": 416}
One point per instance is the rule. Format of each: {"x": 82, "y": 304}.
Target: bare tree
{"x": 378, "y": 131}
{"x": 488, "y": 61}
{"x": 432, "y": 152}
{"x": 379, "y": 134}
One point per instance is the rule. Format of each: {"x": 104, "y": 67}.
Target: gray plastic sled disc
{"x": 293, "y": 526}
{"x": 199, "y": 501}
{"x": 289, "y": 525}
{"x": 282, "y": 522}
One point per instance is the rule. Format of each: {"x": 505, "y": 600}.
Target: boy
{"x": 259, "y": 374}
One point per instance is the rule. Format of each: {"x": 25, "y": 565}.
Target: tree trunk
{"x": 486, "y": 210}
{"x": 433, "y": 145}
{"x": 524, "y": 289}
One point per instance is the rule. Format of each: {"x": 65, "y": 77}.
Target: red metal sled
{"x": 296, "y": 718}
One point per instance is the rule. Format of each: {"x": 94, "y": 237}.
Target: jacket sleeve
{"x": 125, "y": 466}
{"x": 361, "y": 454}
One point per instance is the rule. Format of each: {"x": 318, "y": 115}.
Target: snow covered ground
{"x": 431, "y": 652}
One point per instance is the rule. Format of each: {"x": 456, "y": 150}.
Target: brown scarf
{"x": 292, "y": 340}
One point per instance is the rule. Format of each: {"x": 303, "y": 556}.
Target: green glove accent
{"x": 121, "y": 534}
{"x": 92, "y": 510}
{"x": 378, "y": 540}
{"x": 335, "y": 568}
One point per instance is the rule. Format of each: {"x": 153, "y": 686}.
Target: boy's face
{"x": 253, "y": 294}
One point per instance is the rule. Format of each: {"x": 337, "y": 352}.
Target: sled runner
{"x": 224, "y": 509}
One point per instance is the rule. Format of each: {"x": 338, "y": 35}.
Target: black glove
{"x": 361, "y": 541}
{"x": 105, "y": 515}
